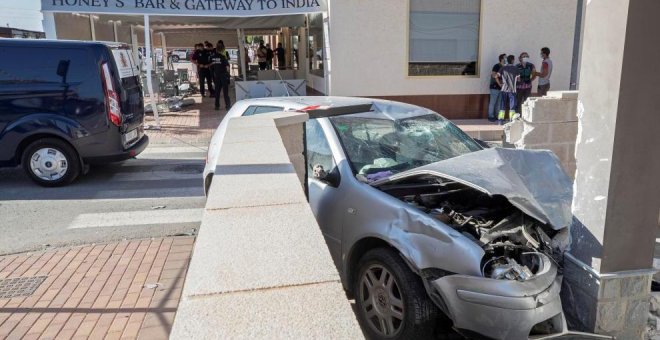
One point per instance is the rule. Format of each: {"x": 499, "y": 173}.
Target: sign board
{"x": 125, "y": 64}
{"x": 224, "y": 8}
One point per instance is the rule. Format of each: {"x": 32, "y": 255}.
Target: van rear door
{"x": 130, "y": 93}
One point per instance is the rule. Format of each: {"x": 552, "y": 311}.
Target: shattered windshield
{"x": 380, "y": 147}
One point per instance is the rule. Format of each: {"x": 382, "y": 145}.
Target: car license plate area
{"x": 130, "y": 136}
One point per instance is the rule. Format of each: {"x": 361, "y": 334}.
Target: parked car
{"x": 180, "y": 54}
{"x": 65, "y": 105}
{"x": 422, "y": 221}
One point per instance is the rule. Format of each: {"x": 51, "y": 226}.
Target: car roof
{"x": 382, "y": 109}
{"x": 59, "y": 43}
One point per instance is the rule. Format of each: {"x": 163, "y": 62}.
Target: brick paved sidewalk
{"x": 127, "y": 290}
{"x": 195, "y": 124}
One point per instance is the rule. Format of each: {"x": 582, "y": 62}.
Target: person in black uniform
{"x": 220, "y": 70}
{"x": 203, "y": 59}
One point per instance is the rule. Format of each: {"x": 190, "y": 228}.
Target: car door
{"x": 324, "y": 194}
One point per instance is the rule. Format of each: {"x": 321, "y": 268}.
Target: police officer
{"x": 202, "y": 58}
{"x": 220, "y": 71}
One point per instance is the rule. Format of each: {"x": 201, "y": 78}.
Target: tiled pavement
{"x": 123, "y": 290}
{"x": 195, "y": 124}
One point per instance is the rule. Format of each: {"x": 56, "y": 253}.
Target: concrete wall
{"x": 368, "y": 40}
{"x": 269, "y": 276}
{"x": 548, "y": 123}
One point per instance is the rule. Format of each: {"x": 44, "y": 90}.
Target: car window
{"x": 318, "y": 148}
{"x": 381, "y": 144}
{"x": 22, "y": 64}
{"x": 255, "y": 110}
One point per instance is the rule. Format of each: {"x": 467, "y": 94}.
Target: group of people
{"x": 265, "y": 56}
{"x": 213, "y": 70}
{"x": 511, "y": 84}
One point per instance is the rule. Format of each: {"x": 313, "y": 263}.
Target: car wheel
{"x": 51, "y": 162}
{"x": 391, "y": 300}
{"x": 175, "y": 58}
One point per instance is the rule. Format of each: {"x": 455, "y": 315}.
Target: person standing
{"x": 524, "y": 86}
{"x": 203, "y": 61}
{"x": 546, "y": 72}
{"x": 269, "y": 57}
{"x": 220, "y": 70}
{"x": 495, "y": 88}
{"x": 508, "y": 79}
{"x": 280, "y": 52}
{"x": 262, "y": 52}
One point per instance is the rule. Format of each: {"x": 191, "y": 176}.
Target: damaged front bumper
{"x": 504, "y": 309}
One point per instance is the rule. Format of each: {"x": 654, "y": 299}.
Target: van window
{"x": 39, "y": 65}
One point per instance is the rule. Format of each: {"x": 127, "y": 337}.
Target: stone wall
{"x": 549, "y": 123}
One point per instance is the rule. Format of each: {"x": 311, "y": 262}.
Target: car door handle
{"x": 351, "y": 211}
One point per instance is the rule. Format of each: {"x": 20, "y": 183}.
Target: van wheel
{"x": 391, "y": 300}
{"x": 51, "y": 162}
{"x": 175, "y": 58}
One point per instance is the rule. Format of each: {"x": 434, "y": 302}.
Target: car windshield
{"x": 381, "y": 146}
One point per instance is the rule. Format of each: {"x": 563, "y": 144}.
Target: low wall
{"x": 549, "y": 123}
{"x": 260, "y": 267}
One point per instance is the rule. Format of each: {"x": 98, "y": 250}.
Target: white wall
{"x": 368, "y": 39}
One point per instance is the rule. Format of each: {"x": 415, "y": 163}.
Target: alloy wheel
{"x": 381, "y": 299}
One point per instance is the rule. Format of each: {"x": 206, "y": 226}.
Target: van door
{"x": 130, "y": 91}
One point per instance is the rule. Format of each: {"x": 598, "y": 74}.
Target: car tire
{"x": 396, "y": 294}
{"x": 51, "y": 162}
{"x": 175, "y": 58}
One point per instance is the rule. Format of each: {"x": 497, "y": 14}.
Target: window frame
{"x": 479, "y": 49}
{"x": 308, "y": 168}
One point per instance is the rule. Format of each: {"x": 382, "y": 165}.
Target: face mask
{"x": 525, "y": 59}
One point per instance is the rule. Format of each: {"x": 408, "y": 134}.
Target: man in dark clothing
{"x": 527, "y": 76}
{"x": 262, "y": 52}
{"x": 202, "y": 58}
{"x": 281, "y": 62}
{"x": 508, "y": 79}
{"x": 495, "y": 89}
{"x": 269, "y": 57}
{"x": 220, "y": 71}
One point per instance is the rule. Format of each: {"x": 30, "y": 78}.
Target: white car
{"x": 249, "y": 107}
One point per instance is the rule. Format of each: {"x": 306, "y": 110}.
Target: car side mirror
{"x": 332, "y": 178}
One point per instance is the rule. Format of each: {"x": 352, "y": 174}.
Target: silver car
{"x": 425, "y": 224}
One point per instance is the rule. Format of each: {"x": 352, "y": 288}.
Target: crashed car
{"x": 422, "y": 221}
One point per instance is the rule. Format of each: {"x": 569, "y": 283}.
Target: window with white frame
{"x": 443, "y": 37}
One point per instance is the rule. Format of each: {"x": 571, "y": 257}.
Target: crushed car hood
{"x": 532, "y": 180}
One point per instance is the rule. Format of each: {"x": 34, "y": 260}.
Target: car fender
{"x": 39, "y": 124}
{"x": 422, "y": 241}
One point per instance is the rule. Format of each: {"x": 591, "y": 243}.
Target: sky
{"x": 24, "y": 14}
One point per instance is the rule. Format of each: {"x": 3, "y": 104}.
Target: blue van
{"x": 67, "y": 104}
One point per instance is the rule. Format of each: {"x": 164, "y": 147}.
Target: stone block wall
{"x": 548, "y": 123}
{"x": 614, "y": 304}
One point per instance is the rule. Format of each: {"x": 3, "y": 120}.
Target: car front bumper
{"x": 504, "y": 309}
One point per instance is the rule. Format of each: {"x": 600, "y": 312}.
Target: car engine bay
{"x": 514, "y": 243}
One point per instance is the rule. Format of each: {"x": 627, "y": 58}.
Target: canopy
{"x": 212, "y": 8}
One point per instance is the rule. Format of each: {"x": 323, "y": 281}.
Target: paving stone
{"x": 284, "y": 244}
{"x": 103, "y": 274}
{"x": 235, "y": 191}
{"x": 253, "y": 153}
{"x": 316, "y": 311}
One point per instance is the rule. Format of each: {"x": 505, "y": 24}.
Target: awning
{"x": 212, "y": 8}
